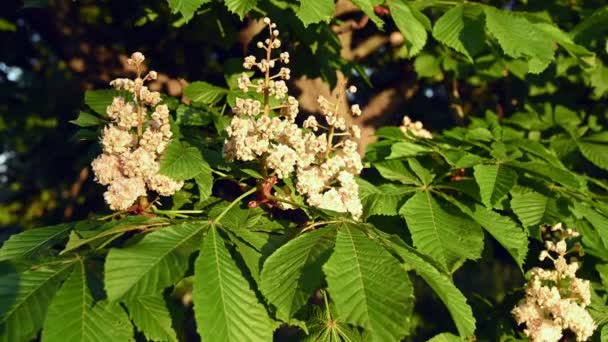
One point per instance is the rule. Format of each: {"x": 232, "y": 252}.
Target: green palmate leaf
{"x": 461, "y": 28}
{"x": 599, "y": 80}
{"x": 33, "y": 242}
{"x": 555, "y": 174}
{"x": 445, "y": 337}
{"x": 203, "y": 92}
{"x": 368, "y": 285}
{"x": 204, "y": 183}
{"x": 442, "y": 232}
{"x": 73, "y": 317}
{"x": 292, "y": 273}
{"x": 453, "y": 299}
{"x": 407, "y": 21}
{"x": 597, "y": 153}
{"x": 599, "y": 221}
{"x": 367, "y": 7}
{"x": 226, "y": 309}
{"x": 159, "y": 260}
{"x": 395, "y": 170}
{"x": 495, "y": 182}
{"x": 151, "y": 316}
{"x": 539, "y": 150}
{"x": 240, "y": 7}
{"x": 109, "y": 231}
{"x": 385, "y": 199}
{"x": 427, "y": 65}
{"x": 314, "y": 11}
{"x": 99, "y": 100}
{"x": 250, "y": 256}
{"x": 506, "y": 231}
{"x": 407, "y": 149}
{"x": 424, "y": 174}
{"x": 181, "y": 161}
{"x": 86, "y": 120}
{"x": 519, "y": 38}
{"x": 191, "y": 116}
{"x": 460, "y": 159}
{"x": 390, "y": 132}
{"x": 25, "y": 297}
{"x": 591, "y": 27}
{"x": 186, "y": 8}
{"x": 531, "y": 208}
{"x": 585, "y": 57}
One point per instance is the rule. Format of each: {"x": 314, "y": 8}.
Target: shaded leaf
{"x": 597, "y": 153}
{"x": 506, "y": 231}
{"x": 30, "y": 243}
{"x": 454, "y": 300}
{"x": 25, "y": 298}
{"x": 72, "y": 315}
{"x": 151, "y": 316}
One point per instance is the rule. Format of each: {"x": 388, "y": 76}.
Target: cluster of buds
{"x": 414, "y": 127}
{"x": 324, "y": 164}
{"x": 134, "y": 142}
{"x": 556, "y": 299}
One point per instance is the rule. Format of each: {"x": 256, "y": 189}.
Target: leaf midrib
{"x": 157, "y": 261}
{"x": 39, "y": 245}
{"x": 358, "y": 274}
{"x": 435, "y": 229}
{"x": 220, "y": 280}
{"x": 26, "y": 298}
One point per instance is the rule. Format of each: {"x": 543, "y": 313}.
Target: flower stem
{"x": 233, "y": 203}
{"x": 177, "y": 212}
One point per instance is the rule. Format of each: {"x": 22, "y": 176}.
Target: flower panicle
{"x": 414, "y": 127}
{"x": 322, "y": 157}
{"x": 134, "y": 141}
{"x": 556, "y": 299}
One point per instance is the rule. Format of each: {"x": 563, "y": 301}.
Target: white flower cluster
{"x": 415, "y": 128}
{"x": 324, "y": 165}
{"x": 133, "y": 143}
{"x": 556, "y": 299}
